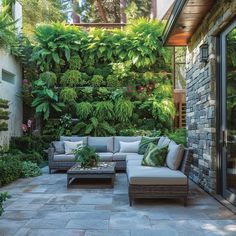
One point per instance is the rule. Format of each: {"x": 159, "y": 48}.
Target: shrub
{"x": 29, "y": 144}
{"x": 97, "y": 81}
{"x": 75, "y": 63}
{"x": 49, "y": 78}
{"x": 4, "y": 115}
{"x": 113, "y": 81}
{"x": 71, "y": 78}
{"x": 30, "y": 169}
{"x": 3, "y": 197}
{"x": 33, "y": 157}
{"x": 10, "y": 169}
{"x": 68, "y": 94}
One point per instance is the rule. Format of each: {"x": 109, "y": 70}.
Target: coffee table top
{"x": 102, "y": 167}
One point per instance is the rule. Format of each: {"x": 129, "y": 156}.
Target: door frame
{"x": 222, "y": 85}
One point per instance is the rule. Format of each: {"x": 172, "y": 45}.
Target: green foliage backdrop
{"x": 107, "y": 80}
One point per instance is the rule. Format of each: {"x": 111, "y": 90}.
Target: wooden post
{"x": 123, "y": 18}
{"x": 75, "y": 16}
{"x": 153, "y": 9}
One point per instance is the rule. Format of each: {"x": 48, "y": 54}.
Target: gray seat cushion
{"x": 136, "y": 162}
{"x": 121, "y": 156}
{"x": 145, "y": 175}
{"x": 105, "y": 156}
{"x": 64, "y": 157}
{"x": 163, "y": 141}
{"x": 135, "y": 157}
{"x": 117, "y": 140}
{"x": 103, "y": 141}
{"x": 75, "y": 139}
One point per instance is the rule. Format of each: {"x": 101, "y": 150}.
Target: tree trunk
{"x": 153, "y": 10}
{"x": 101, "y": 11}
{"x": 122, "y": 11}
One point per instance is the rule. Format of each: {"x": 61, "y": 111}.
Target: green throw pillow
{"x": 145, "y": 141}
{"x": 155, "y": 157}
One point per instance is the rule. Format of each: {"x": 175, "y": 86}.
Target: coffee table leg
{"x": 112, "y": 181}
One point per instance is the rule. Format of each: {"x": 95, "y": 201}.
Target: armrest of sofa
{"x": 50, "y": 153}
{"x": 187, "y": 161}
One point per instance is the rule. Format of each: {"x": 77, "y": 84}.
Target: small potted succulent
{"x": 87, "y": 157}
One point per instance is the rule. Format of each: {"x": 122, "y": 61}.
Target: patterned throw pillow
{"x": 145, "y": 141}
{"x": 155, "y": 157}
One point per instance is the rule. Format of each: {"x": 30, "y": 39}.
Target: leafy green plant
{"x": 87, "y": 157}
{"x": 4, "y": 115}
{"x": 30, "y": 169}
{"x": 97, "y": 81}
{"x": 3, "y": 197}
{"x": 10, "y": 169}
{"x": 4, "y": 103}
{"x": 49, "y": 78}
{"x": 113, "y": 81}
{"x": 68, "y": 94}
{"x": 7, "y": 28}
{"x": 65, "y": 125}
{"x": 104, "y": 110}
{"x": 75, "y": 63}
{"x": 123, "y": 110}
{"x": 55, "y": 44}
{"x": 94, "y": 127}
{"x": 3, "y": 126}
{"x": 179, "y": 136}
{"x": 45, "y": 100}
{"x": 71, "y": 78}
{"x": 84, "y": 110}
{"x": 103, "y": 93}
{"x": 33, "y": 157}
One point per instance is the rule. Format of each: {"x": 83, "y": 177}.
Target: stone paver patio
{"x": 44, "y": 206}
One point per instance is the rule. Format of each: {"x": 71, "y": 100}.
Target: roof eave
{"x": 177, "y": 8}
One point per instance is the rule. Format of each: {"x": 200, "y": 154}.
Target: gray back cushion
{"x": 163, "y": 141}
{"x": 59, "y": 147}
{"x": 117, "y": 140}
{"x": 75, "y": 139}
{"x": 101, "y": 141}
{"x": 175, "y": 155}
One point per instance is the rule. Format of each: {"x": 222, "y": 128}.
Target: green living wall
{"x": 100, "y": 82}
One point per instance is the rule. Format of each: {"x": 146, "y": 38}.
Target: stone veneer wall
{"x": 201, "y": 95}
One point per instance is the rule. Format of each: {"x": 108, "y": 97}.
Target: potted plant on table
{"x": 87, "y": 157}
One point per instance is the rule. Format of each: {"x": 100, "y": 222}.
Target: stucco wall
{"x": 201, "y": 95}
{"x": 11, "y": 92}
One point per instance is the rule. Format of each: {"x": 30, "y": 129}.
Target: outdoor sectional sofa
{"x": 144, "y": 181}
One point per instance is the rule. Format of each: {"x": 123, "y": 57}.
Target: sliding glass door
{"x": 228, "y": 113}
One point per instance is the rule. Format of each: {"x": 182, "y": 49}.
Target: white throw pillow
{"x": 129, "y": 147}
{"x": 174, "y": 156}
{"x": 70, "y": 147}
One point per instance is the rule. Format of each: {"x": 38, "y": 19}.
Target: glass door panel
{"x": 229, "y": 113}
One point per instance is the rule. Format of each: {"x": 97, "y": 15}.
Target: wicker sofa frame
{"x": 163, "y": 191}
{"x": 62, "y": 165}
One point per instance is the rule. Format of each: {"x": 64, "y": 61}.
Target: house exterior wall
{"x": 11, "y": 90}
{"x": 201, "y": 95}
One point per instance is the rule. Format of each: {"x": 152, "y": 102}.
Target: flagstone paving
{"x": 44, "y": 206}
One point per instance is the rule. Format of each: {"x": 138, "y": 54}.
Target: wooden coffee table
{"x": 101, "y": 176}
